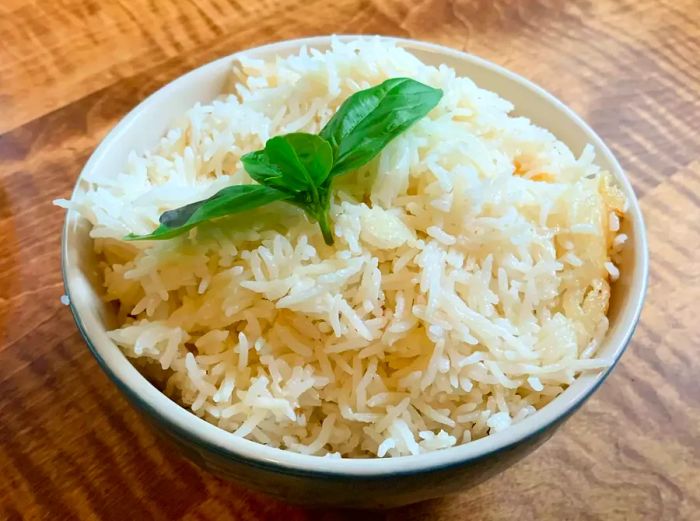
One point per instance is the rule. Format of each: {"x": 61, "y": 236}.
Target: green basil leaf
{"x": 368, "y": 120}
{"x": 230, "y": 200}
{"x": 293, "y": 163}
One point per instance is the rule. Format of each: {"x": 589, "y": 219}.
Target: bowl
{"x": 311, "y": 479}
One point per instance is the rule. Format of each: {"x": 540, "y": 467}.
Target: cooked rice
{"x": 467, "y": 287}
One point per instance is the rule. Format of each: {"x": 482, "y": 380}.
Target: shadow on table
{"x": 260, "y": 507}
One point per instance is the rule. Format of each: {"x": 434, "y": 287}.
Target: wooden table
{"x": 71, "y": 448}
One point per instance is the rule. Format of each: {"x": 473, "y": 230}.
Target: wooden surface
{"x": 71, "y": 448}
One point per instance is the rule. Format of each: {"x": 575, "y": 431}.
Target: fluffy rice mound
{"x": 467, "y": 287}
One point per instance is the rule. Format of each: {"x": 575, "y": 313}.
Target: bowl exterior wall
{"x": 323, "y": 490}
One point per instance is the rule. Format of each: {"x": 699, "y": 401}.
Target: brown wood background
{"x": 71, "y": 448}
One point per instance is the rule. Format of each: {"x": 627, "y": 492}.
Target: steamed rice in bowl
{"x": 467, "y": 287}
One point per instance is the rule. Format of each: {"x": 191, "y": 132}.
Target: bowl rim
{"x": 207, "y": 437}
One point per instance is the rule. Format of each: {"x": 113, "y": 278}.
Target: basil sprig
{"x": 299, "y": 168}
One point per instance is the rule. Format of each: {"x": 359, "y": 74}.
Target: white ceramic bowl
{"x": 352, "y": 482}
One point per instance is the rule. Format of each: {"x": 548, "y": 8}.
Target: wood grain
{"x": 71, "y": 448}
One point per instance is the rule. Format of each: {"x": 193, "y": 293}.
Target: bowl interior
{"x": 142, "y": 128}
